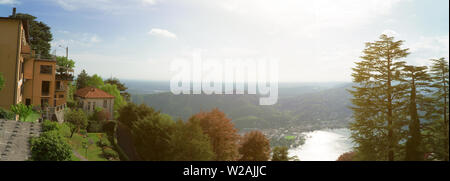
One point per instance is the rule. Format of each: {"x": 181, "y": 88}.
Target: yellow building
{"x": 14, "y": 51}
{"x": 28, "y": 79}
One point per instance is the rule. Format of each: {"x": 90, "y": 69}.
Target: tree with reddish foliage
{"x": 222, "y": 134}
{"x": 348, "y": 156}
{"x": 254, "y": 147}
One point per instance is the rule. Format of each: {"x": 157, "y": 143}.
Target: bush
{"x": 110, "y": 154}
{"x": 109, "y": 129}
{"x": 348, "y": 156}
{"x": 95, "y": 126}
{"x": 5, "y": 114}
{"x": 103, "y": 142}
{"x": 50, "y": 126}
{"x": 50, "y": 146}
{"x": 22, "y": 110}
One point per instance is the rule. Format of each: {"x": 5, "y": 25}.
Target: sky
{"x": 312, "y": 40}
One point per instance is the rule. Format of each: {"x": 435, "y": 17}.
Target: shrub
{"x": 50, "y": 126}
{"x": 348, "y": 156}
{"x": 110, "y": 154}
{"x": 103, "y": 142}
{"x": 109, "y": 129}
{"x": 280, "y": 153}
{"x": 5, "y": 114}
{"x": 95, "y": 126}
{"x": 50, "y": 146}
{"x": 22, "y": 110}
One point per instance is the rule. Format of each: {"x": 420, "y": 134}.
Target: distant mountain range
{"x": 307, "y": 105}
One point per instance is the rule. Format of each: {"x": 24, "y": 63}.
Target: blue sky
{"x": 313, "y": 40}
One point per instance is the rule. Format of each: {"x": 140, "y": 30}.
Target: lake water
{"x": 323, "y": 145}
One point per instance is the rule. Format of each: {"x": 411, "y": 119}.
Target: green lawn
{"x": 32, "y": 117}
{"x": 94, "y": 153}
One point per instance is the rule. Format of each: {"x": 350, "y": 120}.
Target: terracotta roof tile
{"x": 92, "y": 92}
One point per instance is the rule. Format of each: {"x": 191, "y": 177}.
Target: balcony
{"x": 54, "y": 112}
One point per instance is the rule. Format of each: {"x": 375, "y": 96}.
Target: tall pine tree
{"x": 417, "y": 82}
{"x": 440, "y": 72}
{"x": 377, "y": 102}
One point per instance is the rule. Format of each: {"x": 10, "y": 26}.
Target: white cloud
{"x": 10, "y": 2}
{"x": 76, "y": 40}
{"x": 319, "y": 12}
{"x": 103, "y": 5}
{"x": 149, "y": 2}
{"x": 162, "y": 32}
{"x": 427, "y": 48}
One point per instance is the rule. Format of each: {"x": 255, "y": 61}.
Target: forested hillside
{"x": 305, "y": 106}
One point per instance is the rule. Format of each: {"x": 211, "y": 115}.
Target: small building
{"x": 90, "y": 97}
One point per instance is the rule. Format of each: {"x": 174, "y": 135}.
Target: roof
{"x": 93, "y": 93}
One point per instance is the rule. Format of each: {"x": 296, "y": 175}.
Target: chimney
{"x": 14, "y": 13}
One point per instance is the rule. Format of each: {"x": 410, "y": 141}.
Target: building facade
{"x": 29, "y": 79}
{"x": 14, "y": 51}
{"x": 90, "y": 98}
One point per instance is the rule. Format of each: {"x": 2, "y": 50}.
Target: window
{"x": 44, "y": 102}
{"x": 61, "y": 96}
{"x": 105, "y": 103}
{"x": 58, "y": 85}
{"x": 89, "y": 106}
{"x": 45, "y": 89}
{"x": 93, "y": 107}
{"x": 27, "y": 102}
{"x": 46, "y": 69}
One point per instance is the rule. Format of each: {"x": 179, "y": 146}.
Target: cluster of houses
{"x": 36, "y": 81}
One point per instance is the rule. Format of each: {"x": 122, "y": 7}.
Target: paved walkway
{"x": 15, "y": 139}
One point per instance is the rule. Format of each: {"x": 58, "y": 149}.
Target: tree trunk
{"x": 389, "y": 116}
{"x": 445, "y": 115}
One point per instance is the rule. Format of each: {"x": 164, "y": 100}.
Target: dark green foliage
{"x": 103, "y": 142}
{"x": 40, "y": 35}
{"x": 120, "y": 86}
{"x": 95, "y": 81}
{"x": 64, "y": 64}
{"x": 188, "y": 143}
{"x": 417, "y": 83}
{"x": 50, "y": 146}
{"x": 82, "y": 80}
{"x": 96, "y": 121}
{"x": 378, "y": 104}
{"x": 151, "y": 137}
{"x": 130, "y": 113}
{"x": 109, "y": 128}
{"x": 156, "y": 137}
{"x": 5, "y": 114}
{"x": 440, "y": 75}
{"x": 95, "y": 126}
{"x": 110, "y": 154}
{"x": 48, "y": 125}
{"x": 76, "y": 119}
{"x": 280, "y": 154}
